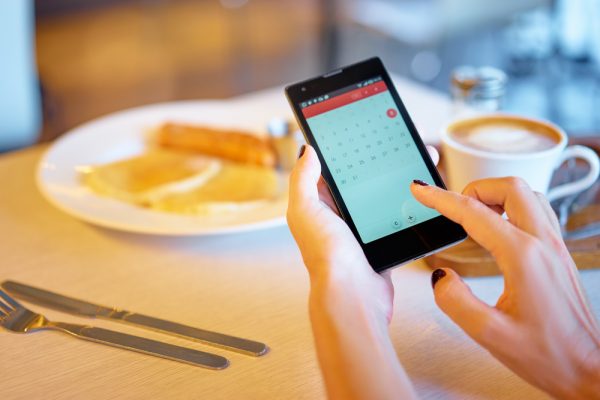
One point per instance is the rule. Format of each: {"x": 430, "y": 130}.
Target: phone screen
{"x": 371, "y": 156}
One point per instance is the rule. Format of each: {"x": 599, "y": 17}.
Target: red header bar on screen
{"x": 344, "y": 99}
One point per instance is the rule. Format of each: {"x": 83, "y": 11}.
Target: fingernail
{"x": 436, "y": 276}
{"x": 420, "y": 182}
{"x": 301, "y": 152}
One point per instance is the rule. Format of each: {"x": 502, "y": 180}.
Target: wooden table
{"x": 251, "y": 285}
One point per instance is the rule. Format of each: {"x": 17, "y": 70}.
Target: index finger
{"x": 484, "y": 225}
{"x": 521, "y": 204}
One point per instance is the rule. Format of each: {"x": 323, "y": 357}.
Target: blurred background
{"x": 68, "y": 61}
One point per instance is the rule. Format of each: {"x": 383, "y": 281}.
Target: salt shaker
{"x": 283, "y": 139}
{"x": 477, "y": 89}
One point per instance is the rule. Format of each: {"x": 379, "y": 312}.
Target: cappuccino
{"x": 499, "y": 135}
{"x": 498, "y": 145}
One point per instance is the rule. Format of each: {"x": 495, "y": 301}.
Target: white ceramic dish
{"x": 122, "y": 135}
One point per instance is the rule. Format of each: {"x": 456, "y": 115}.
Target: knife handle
{"x": 227, "y": 342}
{"x": 146, "y": 346}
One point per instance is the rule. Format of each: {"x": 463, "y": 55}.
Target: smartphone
{"x": 370, "y": 152}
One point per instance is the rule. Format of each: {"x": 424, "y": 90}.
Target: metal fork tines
{"x": 16, "y": 318}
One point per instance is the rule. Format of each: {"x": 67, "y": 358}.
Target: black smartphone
{"x": 370, "y": 152}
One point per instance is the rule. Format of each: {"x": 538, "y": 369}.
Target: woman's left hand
{"x": 334, "y": 259}
{"x": 350, "y": 304}
{"x": 331, "y": 253}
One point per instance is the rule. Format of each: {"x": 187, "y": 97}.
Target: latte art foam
{"x": 504, "y": 139}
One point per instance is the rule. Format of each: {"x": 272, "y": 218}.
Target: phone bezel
{"x": 407, "y": 244}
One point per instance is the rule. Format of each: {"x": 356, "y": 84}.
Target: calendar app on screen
{"x": 371, "y": 156}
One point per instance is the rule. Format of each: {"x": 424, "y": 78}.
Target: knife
{"x": 79, "y": 307}
{"x": 145, "y": 346}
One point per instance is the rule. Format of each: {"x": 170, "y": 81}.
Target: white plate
{"x": 121, "y": 135}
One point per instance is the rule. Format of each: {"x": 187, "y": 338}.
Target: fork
{"x": 16, "y": 318}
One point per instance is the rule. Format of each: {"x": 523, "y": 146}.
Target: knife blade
{"x": 71, "y": 305}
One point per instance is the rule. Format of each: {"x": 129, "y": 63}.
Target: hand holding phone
{"x": 328, "y": 246}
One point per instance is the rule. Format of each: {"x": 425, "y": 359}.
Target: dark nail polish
{"x": 420, "y": 182}
{"x": 301, "y": 152}
{"x": 436, "y": 276}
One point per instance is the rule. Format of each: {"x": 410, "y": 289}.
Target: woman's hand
{"x": 333, "y": 257}
{"x": 350, "y": 305}
{"x": 541, "y": 327}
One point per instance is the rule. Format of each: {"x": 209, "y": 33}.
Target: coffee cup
{"x": 496, "y": 145}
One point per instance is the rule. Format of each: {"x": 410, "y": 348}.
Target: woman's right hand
{"x": 542, "y": 327}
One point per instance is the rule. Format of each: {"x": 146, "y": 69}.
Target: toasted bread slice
{"x": 184, "y": 183}
{"x": 235, "y": 187}
{"x": 144, "y": 179}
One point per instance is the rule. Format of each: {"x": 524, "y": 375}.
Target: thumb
{"x": 457, "y": 301}
{"x": 304, "y": 177}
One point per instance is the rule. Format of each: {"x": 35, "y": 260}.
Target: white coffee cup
{"x": 474, "y": 148}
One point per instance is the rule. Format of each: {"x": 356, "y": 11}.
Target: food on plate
{"x": 235, "y": 187}
{"x": 226, "y": 144}
{"x": 145, "y": 178}
{"x": 184, "y": 182}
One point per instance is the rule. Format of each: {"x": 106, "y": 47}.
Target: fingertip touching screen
{"x": 371, "y": 155}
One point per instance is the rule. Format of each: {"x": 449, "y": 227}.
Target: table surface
{"x": 251, "y": 285}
